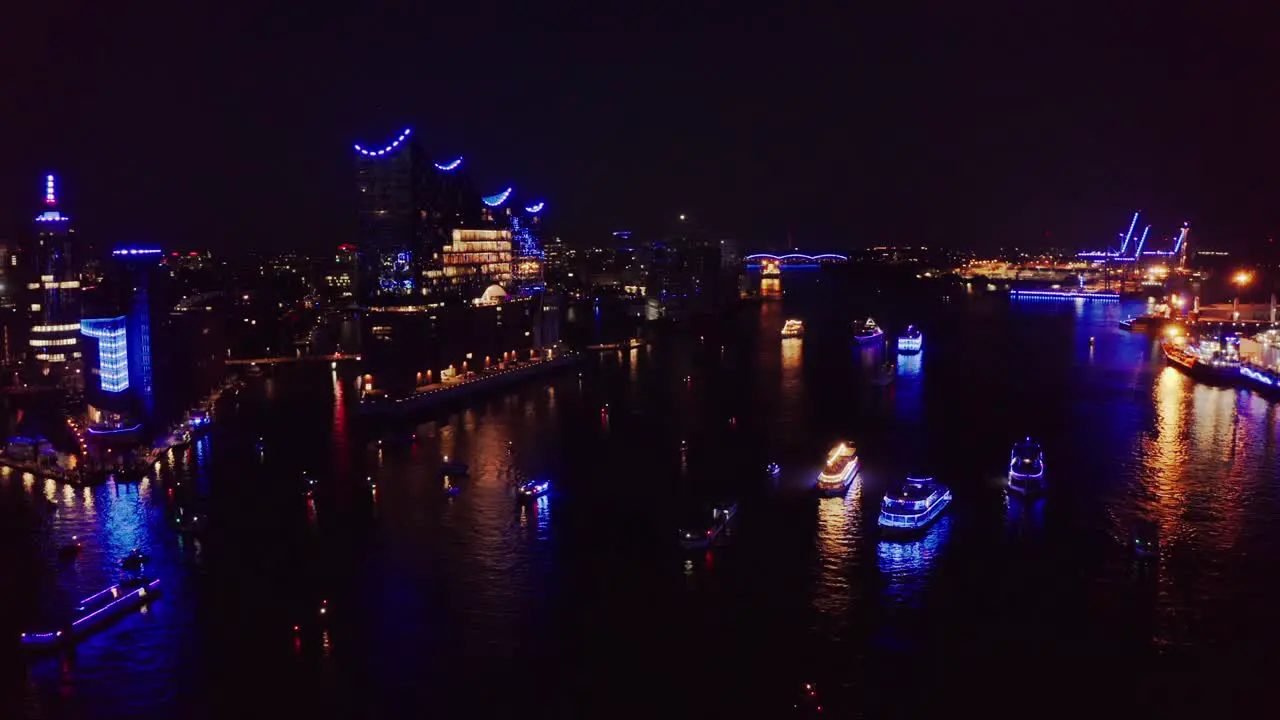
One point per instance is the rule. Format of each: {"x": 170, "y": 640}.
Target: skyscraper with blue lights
{"x": 53, "y": 294}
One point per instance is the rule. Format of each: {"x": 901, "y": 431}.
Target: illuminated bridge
{"x": 795, "y": 259}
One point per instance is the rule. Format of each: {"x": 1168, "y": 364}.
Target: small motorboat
{"x": 1146, "y": 540}
{"x": 135, "y": 560}
{"x": 1026, "y": 468}
{"x": 701, "y": 529}
{"x": 450, "y": 490}
{"x": 71, "y": 550}
{"x": 531, "y": 489}
{"x": 884, "y": 375}
{"x": 190, "y": 523}
{"x": 452, "y": 467}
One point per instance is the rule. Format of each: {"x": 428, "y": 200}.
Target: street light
{"x": 681, "y": 217}
{"x": 1240, "y": 279}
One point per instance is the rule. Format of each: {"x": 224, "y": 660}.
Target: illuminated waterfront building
{"x": 53, "y": 294}
{"x": 475, "y": 260}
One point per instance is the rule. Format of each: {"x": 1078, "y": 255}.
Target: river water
{"x": 582, "y": 605}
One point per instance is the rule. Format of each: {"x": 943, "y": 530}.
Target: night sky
{"x": 943, "y": 123}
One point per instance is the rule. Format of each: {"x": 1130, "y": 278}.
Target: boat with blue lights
{"x": 702, "y": 527}
{"x": 837, "y": 474}
{"x": 532, "y": 489}
{"x": 911, "y": 341}
{"x": 793, "y": 329}
{"x": 96, "y": 610}
{"x": 868, "y": 333}
{"x": 918, "y": 502}
{"x": 1026, "y": 467}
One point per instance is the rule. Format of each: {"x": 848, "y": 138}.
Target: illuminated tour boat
{"x": 96, "y": 610}
{"x": 1026, "y": 467}
{"x": 837, "y": 474}
{"x": 868, "y": 333}
{"x": 793, "y": 329}
{"x": 702, "y": 528}
{"x": 911, "y": 341}
{"x": 914, "y": 505}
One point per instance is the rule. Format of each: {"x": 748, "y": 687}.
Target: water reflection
{"x": 906, "y": 564}
{"x": 839, "y": 533}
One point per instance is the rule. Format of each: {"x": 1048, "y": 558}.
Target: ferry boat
{"x": 97, "y": 609}
{"x": 1209, "y": 360}
{"x": 1026, "y": 467}
{"x": 914, "y": 505}
{"x": 868, "y": 333}
{"x": 793, "y": 329}
{"x": 530, "y": 489}
{"x": 837, "y": 474}
{"x": 911, "y": 341}
{"x": 702, "y": 529}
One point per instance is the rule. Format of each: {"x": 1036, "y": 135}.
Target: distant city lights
{"x": 137, "y": 251}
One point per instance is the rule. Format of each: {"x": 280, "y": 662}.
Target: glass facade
{"x": 113, "y": 351}
{"x": 476, "y": 259}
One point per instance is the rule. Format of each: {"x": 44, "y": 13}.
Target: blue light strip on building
{"x": 394, "y": 144}
{"x": 449, "y": 166}
{"x": 535, "y": 209}
{"x": 498, "y": 199}
{"x": 113, "y": 351}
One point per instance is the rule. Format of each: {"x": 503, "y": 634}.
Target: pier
{"x": 283, "y": 359}
{"x": 441, "y": 393}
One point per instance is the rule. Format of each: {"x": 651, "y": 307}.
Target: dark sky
{"x": 943, "y": 122}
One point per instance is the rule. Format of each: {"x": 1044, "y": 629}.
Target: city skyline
{"x": 924, "y": 126}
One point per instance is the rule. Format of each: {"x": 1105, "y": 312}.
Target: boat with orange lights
{"x": 793, "y": 329}
{"x": 837, "y": 474}
{"x": 1209, "y": 360}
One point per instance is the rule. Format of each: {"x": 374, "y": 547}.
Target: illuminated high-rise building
{"x": 53, "y": 293}
{"x": 391, "y": 189}
{"x": 408, "y": 208}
